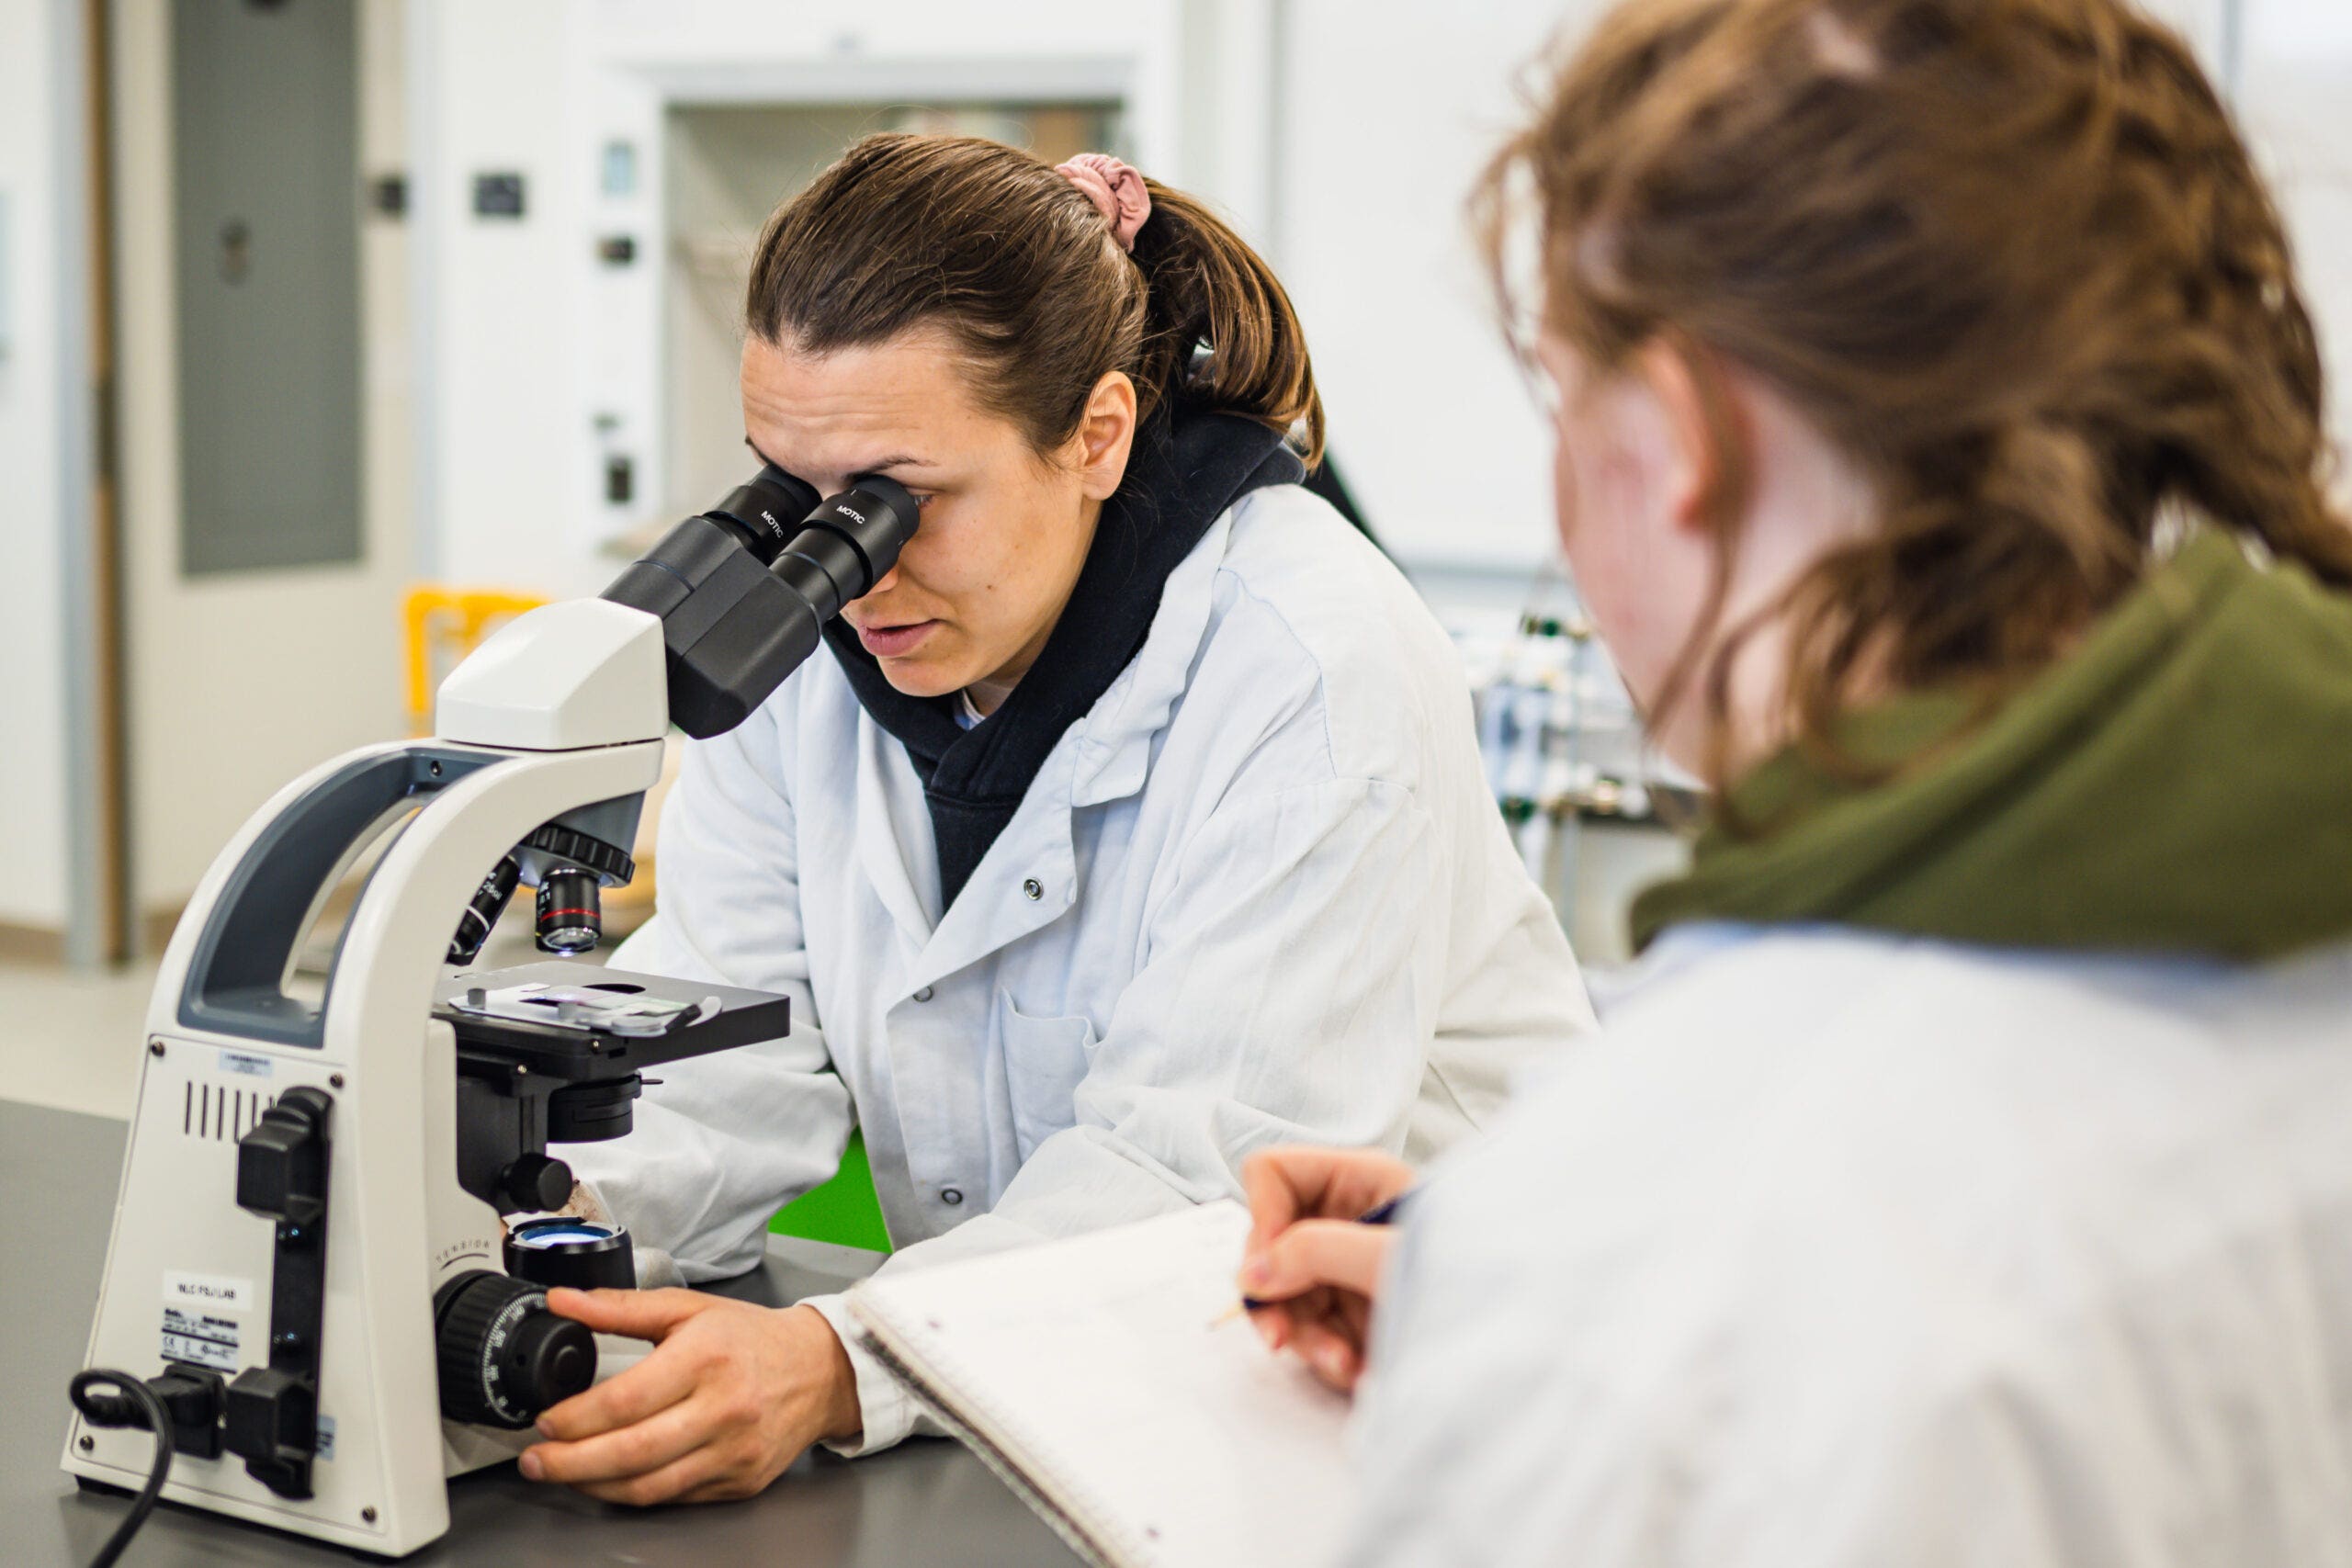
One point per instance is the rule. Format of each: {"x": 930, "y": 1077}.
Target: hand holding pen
{"x": 1318, "y": 1244}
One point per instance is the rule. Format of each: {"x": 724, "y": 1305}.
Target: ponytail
{"x": 1206, "y": 285}
{"x": 1022, "y": 270}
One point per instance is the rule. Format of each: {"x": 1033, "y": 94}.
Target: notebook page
{"x": 1098, "y": 1367}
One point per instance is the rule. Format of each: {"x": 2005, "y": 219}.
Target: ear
{"x": 1106, "y": 434}
{"x": 1706, "y": 425}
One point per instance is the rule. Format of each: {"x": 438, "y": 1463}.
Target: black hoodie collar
{"x": 1187, "y": 470}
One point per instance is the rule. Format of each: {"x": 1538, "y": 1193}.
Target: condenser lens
{"x": 562, "y": 1235}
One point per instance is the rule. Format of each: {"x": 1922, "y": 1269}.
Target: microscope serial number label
{"x": 252, "y": 1067}
{"x": 200, "y": 1337}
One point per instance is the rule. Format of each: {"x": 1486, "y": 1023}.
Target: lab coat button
{"x": 1033, "y": 889}
{"x": 951, "y": 1196}
{"x": 923, "y": 995}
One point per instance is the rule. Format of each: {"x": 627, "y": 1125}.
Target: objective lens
{"x": 488, "y": 902}
{"x": 570, "y": 911}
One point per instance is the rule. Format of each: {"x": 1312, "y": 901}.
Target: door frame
{"x": 98, "y": 926}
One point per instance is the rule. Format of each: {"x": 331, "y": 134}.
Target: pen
{"x": 1378, "y": 1214}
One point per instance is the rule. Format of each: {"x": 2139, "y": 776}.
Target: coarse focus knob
{"x": 503, "y": 1356}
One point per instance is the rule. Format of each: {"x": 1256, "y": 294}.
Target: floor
{"x": 72, "y": 1042}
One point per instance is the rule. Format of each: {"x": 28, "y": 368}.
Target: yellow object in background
{"x": 450, "y": 623}
{"x": 444, "y": 624}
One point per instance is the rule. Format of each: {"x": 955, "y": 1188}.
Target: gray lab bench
{"x": 926, "y": 1502}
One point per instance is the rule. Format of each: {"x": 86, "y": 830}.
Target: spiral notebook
{"x": 1107, "y": 1381}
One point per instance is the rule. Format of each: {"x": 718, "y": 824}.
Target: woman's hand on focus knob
{"x": 1314, "y": 1267}
{"x": 730, "y": 1394}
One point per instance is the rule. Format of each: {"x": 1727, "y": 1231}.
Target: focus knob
{"x": 504, "y": 1356}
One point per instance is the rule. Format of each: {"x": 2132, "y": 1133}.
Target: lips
{"x": 895, "y": 642}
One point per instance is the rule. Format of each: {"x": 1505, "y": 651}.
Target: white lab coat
{"x": 1845, "y": 1250}
{"x": 1257, "y": 895}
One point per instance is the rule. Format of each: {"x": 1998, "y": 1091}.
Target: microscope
{"x": 311, "y": 1313}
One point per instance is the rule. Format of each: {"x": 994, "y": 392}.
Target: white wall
{"x": 497, "y": 349}
{"x": 1388, "y": 111}
{"x": 33, "y": 889}
{"x": 2297, "y": 101}
{"x": 534, "y": 360}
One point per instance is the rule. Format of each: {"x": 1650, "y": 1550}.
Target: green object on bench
{"x": 844, "y": 1212}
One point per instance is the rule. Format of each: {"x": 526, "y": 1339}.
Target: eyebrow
{"x": 897, "y": 460}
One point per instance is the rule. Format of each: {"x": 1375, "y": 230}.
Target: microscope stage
{"x": 582, "y": 1021}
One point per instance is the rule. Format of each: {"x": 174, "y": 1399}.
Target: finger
{"x": 1318, "y": 1252}
{"x": 1270, "y": 1180}
{"x": 1355, "y": 1318}
{"x": 640, "y": 1315}
{"x": 1335, "y": 1359}
{"x": 653, "y": 1385}
{"x": 1318, "y": 1305}
{"x": 1306, "y": 1181}
{"x": 1287, "y": 1184}
{"x": 1332, "y": 1341}
{"x": 1276, "y": 1322}
{"x": 638, "y": 1448}
{"x": 673, "y": 1482}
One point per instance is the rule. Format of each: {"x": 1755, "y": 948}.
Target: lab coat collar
{"x": 891, "y": 808}
{"x": 1104, "y": 758}
{"x": 1113, "y": 742}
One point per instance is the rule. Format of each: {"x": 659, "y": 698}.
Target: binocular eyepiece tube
{"x": 743, "y": 593}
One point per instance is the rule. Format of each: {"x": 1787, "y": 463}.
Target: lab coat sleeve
{"x": 1289, "y": 993}
{"x": 726, "y": 1139}
{"x": 1527, "y": 1407}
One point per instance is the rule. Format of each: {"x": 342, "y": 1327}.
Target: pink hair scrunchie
{"x": 1116, "y": 190}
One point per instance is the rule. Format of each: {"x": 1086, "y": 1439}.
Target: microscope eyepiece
{"x": 731, "y": 630}
{"x": 761, "y": 511}
{"x": 847, "y": 545}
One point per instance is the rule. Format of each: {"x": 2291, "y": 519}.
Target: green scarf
{"x": 2180, "y": 783}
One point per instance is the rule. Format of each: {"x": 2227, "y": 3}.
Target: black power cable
{"x": 136, "y": 1405}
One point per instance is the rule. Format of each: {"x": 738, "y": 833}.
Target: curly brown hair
{"x": 2009, "y": 255}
